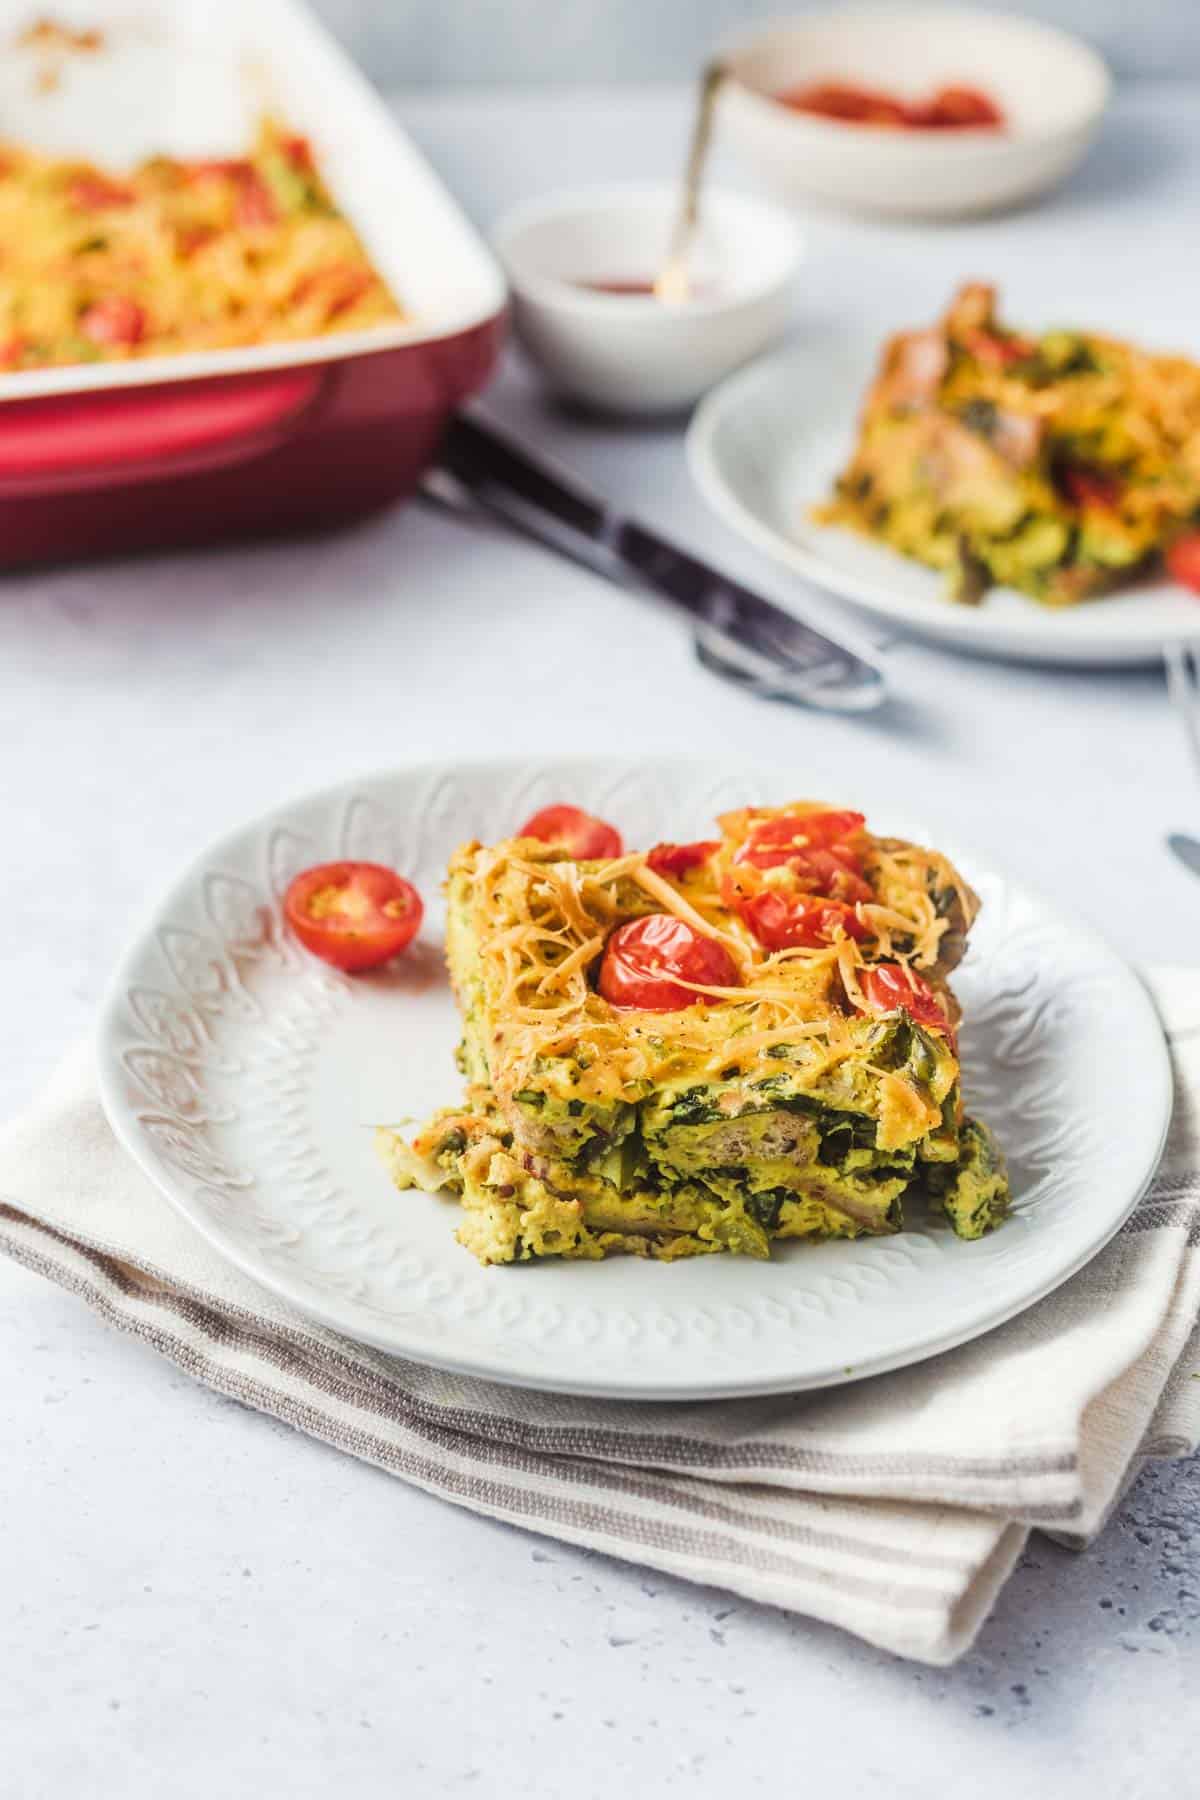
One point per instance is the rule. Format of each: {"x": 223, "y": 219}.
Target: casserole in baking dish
{"x": 106, "y": 456}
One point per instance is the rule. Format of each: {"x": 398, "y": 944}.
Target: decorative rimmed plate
{"x": 765, "y": 446}
{"x": 245, "y": 1079}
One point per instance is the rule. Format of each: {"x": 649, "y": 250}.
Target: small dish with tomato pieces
{"x": 704, "y": 1046}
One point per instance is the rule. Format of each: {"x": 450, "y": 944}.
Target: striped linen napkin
{"x": 895, "y": 1507}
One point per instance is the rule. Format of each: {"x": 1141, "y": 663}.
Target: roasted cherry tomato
{"x": 114, "y": 320}
{"x": 584, "y": 838}
{"x": 255, "y": 202}
{"x": 1183, "y": 561}
{"x": 1089, "y": 487}
{"x": 676, "y": 859}
{"x": 855, "y": 105}
{"x": 888, "y": 986}
{"x": 772, "y": 843}
{"x": 354, "y": 915}
{"x": 817, "y": 850}
{"x": 646, "y": 960}
{"x": 997, "y": 351}
{"x": 794, "y": 921}
{"x": 298, "y": 151}
{"x": 337, "y": 286}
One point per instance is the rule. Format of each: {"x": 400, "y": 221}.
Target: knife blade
{"x": 737, "y": 632}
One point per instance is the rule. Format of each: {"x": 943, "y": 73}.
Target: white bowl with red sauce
{"x": 582, "y": 267}
{"x": 1019, "y": 104}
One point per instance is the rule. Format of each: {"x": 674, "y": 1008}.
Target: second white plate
{"x": 765, "y": 446}
{"x": 245, "y": 1078}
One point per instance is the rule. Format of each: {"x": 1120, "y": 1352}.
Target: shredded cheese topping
{"x": 535, "y": 930}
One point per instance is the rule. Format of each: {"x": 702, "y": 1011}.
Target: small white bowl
{"x": 632, "y": 353}
{"x": 1053, "y": 90}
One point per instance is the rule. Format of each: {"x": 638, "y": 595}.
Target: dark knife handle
{"x": 738, "y": 632}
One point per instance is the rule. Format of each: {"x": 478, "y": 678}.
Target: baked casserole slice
{"x": 1060, "y": 465}
{"x": 809, "y": 1088}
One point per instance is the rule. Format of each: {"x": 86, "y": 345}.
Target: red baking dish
{"x": 191, "y": 449}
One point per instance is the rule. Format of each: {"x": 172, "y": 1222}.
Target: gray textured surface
{"x": 197, "y": 1602}
{"x": 421, "y": 42}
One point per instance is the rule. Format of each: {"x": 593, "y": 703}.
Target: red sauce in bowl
{"x": 951, "y": 108}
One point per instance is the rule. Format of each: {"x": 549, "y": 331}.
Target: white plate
{"x": 766, "y": 445}
{"x": 245, "y": 1079}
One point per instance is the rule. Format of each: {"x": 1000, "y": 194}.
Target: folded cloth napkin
{"x": 894, "y": 1507}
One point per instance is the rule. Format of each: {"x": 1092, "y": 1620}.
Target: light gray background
{"x": 196, "y": 1602}
{"x": 417, "y": 43}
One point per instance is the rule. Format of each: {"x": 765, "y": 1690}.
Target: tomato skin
{"x": 354, "y": 915}
{"x": 957, "y": 108}
{"x": 255, "y": 202}
{"x": 792, "y": 921}
{"x": 774, "y": 843}
{"x": 584, "y": 838}
{"x": 641, "y": 957}
{"x": 816, "y": 847}
{"x": 1089, "y": 487}
{"x": 114, "y": 320}
{"x": 997, "y": 352}
{"x": 888, "y": 987}
{"x": 1183, "y": 561}
{"x": 675, "y": 860}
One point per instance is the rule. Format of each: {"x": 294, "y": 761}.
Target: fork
{"x": 1183, "y": 690}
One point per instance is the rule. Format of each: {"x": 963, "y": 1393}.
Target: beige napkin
{"x": 894, "y": 1507}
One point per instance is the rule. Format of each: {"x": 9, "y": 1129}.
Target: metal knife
{"x": 737, "y": 632}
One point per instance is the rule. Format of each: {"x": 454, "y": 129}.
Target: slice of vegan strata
{"x": 1060, "y": 465}
{"x": 705, "y": 1047}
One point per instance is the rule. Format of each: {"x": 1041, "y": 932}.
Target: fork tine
{"x": 1183, "y": 688}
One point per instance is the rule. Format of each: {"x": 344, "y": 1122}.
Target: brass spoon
{"x": 673, "y": 285}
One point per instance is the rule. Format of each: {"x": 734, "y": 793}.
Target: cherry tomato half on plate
{"x": 584, "y": 838}
{"x": 789, "y": 920}
{"x": 354, "y": 915}
{"x": 888, "y": 986}
{"x": 645, "y": 961}
{"x": 676, "y": 859}
{"x": 1183, "y": 561}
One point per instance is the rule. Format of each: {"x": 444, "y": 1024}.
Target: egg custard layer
{"x": 814, "y": 1092}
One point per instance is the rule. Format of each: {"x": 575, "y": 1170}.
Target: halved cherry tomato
{"x": 584, "y": 838}
{"x": 1183, "y": 561}
{"x": 114, "y": 320}
{"x": 676, "y": 859}
{"x": 354, "y": 915}
{"x": 645, "y": 960}
{"x": 888, "y": 986}
{"x": 794, "y": 921}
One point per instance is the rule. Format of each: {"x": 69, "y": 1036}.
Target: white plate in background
{"x": 766, "y": 445}
{"x": 245, "y": 1079}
